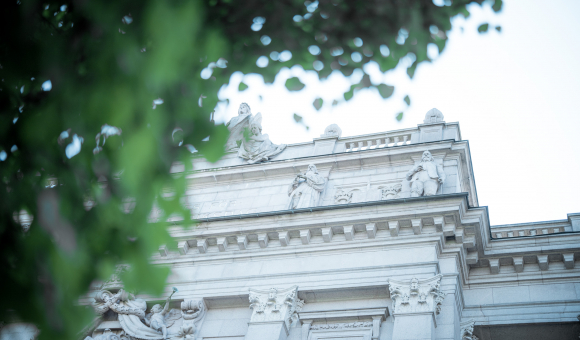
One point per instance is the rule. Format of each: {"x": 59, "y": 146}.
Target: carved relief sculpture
{"x": 342, "y": 197}
{"x": 108, "y": 335}
{"x": 305, "y": 190}
{"x": 342, "y": 325}
{"x": 160, "y": 323}
{"x": 390, "y": 192}
{"x": 256, "y": 147}
{"x": 156, "y": 319}
{"x": 426, "y": 176}
{"x": 416, "y": 295}
{"x": 275, "y": 305}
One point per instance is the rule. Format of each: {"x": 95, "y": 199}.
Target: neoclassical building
{"x": 372, "y": 237}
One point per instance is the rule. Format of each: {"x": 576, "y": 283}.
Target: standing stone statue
{"x": 237, "y": 126}
{"x": 305, "y": 190}
{"x": 256, "y": 147}
{"x": 426, "y": 176}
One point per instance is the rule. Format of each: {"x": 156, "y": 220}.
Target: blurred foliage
{"x": 141, "y": 78}
{"x": 294, "y": 84}
{"x": 483, "y": 28}
{"x": 318, "y": 103}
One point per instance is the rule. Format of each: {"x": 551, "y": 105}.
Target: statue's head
{"x": 256, "y": 129}
{"x": 157, "y": 308}
{"x": 244, "y": 109}
{"x": 312, "y": 168}
{"x": 427, "y": 157}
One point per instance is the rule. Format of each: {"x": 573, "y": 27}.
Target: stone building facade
{"x": 372, "y": 237}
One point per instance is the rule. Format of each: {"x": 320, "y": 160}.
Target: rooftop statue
{"x": 426, "y": 176}
{"x": 305, "y": 190}
{"x": 256, "y": 147}
{"x": 237, "y": 125}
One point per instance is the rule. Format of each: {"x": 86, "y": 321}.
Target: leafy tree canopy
{"x": 99, "y": 99}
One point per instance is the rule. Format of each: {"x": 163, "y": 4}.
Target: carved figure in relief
{"x": 237, "y": 126}
{"x": 305, "y": 190}
{"x": 256, "y": 147}
{"x": 426, "y": 176}
{"x": 157, "y": 318}
{"x": 390, "y": 192}
{"x": 160, "y": 323}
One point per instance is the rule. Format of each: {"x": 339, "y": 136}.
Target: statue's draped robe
{"x": 237, "y": 125}
{"x": 259, "y": 148}
{"x": 307, "y": 192}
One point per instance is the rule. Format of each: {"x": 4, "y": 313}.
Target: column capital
{"x": 417, "y": 296}
{"x": 275, "y": 305}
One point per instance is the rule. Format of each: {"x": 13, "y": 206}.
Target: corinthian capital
{"x": 275, "y": 305}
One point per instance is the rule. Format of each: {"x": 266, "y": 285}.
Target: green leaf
{"x": 213, "y": 149}
{"x": 297, "y": 118}
{"x": 498, "y": 28}
{"x": 497, "y": 6}
{"x": 407, "y": 100}
{"x": 483, "y": 28}
{"x": 242, "y": 87}
{"x": 385, "y": 90}
{"x": 294, "y": 84}
{"x": 348, "y": 95}
{"x": 318, "y": 103}
{"x": 399, "y": 116}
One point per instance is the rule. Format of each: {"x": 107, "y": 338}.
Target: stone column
{"x": 273, "y": 311}
{"x": 415, "y": 306}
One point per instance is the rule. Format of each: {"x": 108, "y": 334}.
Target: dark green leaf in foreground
{"x": 385, "y": 90}
{"x": 399, "y": 116}
{"x": 483, "y": 28}
{"x": 297, "y": 118}
{"x": 318, "y": 103}
{"x": 498, "y": 28}
{"x": 294, "y": 84}
{"x": 407, "y": 100}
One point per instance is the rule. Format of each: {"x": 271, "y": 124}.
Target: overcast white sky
{"x": 516, "y": 95}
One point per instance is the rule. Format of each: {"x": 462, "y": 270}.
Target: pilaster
{"x": 273, "y": 311}
{"x": 416, "y": 304}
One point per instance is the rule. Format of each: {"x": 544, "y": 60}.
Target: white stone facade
{"x": 366, "y": 260}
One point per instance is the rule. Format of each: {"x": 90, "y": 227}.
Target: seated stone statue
{"x": 237, "y": 126}
{"x": 255, "y": 146}
{"x": 305, "y": 190}
{"x": 426, "y": 176}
